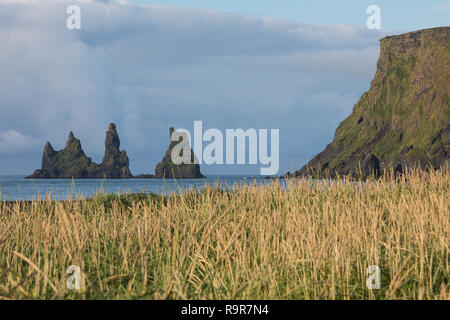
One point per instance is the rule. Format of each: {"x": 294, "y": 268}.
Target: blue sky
{"x": 400, "y": 15}
{"x": 296, "y": 66}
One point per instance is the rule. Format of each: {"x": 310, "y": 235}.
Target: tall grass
{"x": 307, "y": 241}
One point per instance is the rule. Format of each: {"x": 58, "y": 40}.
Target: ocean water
{"x": 13, "y": 187}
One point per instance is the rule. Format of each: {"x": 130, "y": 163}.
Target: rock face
{"x": 370, "y": 166}
{"x": 71, "y": 162}
{"x": 169, "y": 170}
{"x": 145, "y": 176}
{"x": 115, "y": 162}
{"x": 404, "y": 118}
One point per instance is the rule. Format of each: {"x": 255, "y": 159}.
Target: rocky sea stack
{"x": 71, "y": 162}
{"x": 169, "y": 170}
{"x": 404, "y": 118}
{"x": 115, "y": 163}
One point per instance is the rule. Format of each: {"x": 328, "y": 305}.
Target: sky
{"x": 396, "y": 14}
{"x": 297, "y": 66}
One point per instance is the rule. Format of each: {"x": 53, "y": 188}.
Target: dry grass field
{"x": 307, "y": 241}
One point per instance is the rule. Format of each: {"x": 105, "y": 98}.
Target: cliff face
{"x": 167, "y": 169}
{"x": 404, "y": 118}
{"x": 71, "y": 162}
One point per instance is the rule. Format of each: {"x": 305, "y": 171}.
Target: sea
{"x": 16, "y": 187}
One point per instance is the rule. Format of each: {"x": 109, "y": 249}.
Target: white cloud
{"x": 12, "y": 141}
{"x": 345, "y": 61}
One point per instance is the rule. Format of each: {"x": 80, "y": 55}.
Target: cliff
{"x": 169, "y": 170}
{"x": 404, "y": 118}
{"x": 71, "y": 162}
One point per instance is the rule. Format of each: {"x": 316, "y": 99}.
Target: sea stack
{"x": 169, "y": 170}
{"x": 71, "y": 162}
{"x": 115, "y": 164}
{"x": 403, "y": 120}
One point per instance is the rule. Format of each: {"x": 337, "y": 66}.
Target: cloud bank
{"x": 151, "y": 67}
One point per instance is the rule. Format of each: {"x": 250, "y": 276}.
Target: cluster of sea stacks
{"x": 71, "y": 162}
